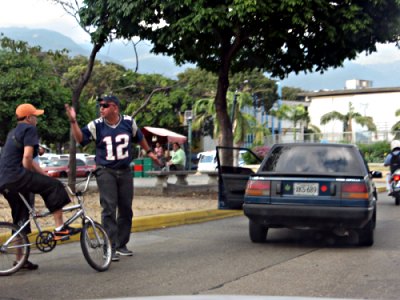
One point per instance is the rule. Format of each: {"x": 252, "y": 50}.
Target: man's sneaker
{"x": 114, "y": 256}
{"x": 28, "y": 265}
{"x": 65, "y": 232}
{"x": 123, "y": 251}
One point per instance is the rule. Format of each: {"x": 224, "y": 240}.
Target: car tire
{"x": 63, "y": 175}
{"x": 366, "y": 234}
{"x": 257, "y": 232}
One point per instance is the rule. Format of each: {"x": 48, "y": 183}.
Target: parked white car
{"x": 208, "y": 160}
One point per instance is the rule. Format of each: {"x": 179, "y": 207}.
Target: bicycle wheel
{"x": 96, "y": 246}
{"x": 9, "y": 250}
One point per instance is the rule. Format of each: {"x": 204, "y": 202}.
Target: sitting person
{"x": 20, "y": 174}
{"x": 160, "y": 153}
{"x": 178, "y": 158}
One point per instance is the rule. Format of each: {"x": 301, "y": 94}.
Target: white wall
{"x": 381, "y": 107}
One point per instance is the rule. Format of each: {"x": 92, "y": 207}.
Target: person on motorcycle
{"x": 393, "y": 161}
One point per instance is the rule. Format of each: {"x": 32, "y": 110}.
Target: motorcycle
{"x": 395, "y": 186}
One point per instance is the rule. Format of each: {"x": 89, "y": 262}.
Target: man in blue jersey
{"x": 20, "y": 174}
{"x": 113, "y": 134}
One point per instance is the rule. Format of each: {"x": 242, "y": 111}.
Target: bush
{"x": 260, "y": 151}
{"x": 376, "y": 152}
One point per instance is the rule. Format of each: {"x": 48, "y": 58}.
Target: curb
{"x": 144, "y": 223}
{"x": 381, "y": 189}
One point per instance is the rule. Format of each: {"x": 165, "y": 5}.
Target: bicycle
{"x": 94, "y": 241}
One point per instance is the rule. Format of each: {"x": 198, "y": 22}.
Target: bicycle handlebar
{"x": 87, "y": 180}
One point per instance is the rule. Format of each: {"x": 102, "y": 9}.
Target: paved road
{"x": 218, "y": 258}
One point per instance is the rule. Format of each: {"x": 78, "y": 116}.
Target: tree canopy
{"x": 237, "y": 35}
{"x": 27, "y": 76}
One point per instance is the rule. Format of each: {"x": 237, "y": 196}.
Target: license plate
{"x": 305, "y": 189}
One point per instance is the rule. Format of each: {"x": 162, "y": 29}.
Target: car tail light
{"x": 396, "y": 177}
{"x": 355, "y": 191}
{"x": 258, "y": 188}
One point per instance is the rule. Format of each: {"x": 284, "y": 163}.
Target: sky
{"x": 40, "y": 14}
{"x": 44, "y": 14}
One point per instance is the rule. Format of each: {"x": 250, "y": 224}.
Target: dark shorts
{"x": 19, "y": 211}
{"x": 51, "y": 190}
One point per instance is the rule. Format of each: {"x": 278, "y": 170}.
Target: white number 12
{"x": 122, "y": 143}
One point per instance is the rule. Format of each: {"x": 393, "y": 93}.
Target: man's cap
{"x": 26, "y": 109}
{"x": 110, "y": 98}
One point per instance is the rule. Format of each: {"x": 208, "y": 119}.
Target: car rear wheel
{"x": 366, "y": 234}
{"x": 258, "y": 233}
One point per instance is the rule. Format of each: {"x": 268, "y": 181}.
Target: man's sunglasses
{"x": 104, "y": 105}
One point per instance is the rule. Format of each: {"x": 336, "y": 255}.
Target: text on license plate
{"x": 307, "y": 189}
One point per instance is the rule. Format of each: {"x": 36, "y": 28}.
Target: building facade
{"x": 378, "y": 103}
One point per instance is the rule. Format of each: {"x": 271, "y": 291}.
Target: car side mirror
{"x": 376, "y": 174}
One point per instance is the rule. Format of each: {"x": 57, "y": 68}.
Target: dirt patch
{"x": 142, "y": 206}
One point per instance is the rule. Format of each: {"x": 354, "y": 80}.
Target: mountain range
{"x": 381, "y": 75}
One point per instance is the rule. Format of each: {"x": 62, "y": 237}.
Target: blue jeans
{"x": 116, "y": 196}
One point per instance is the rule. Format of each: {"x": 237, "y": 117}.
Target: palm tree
{"x": 243, "y": 124}
{"x": 348, "y": 119}
{"x": 396, "y": 127}
{"x": 297, "y": 114}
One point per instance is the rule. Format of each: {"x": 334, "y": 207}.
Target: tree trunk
{"x": 226, "y": 135}
{"x": 77, "y": 91}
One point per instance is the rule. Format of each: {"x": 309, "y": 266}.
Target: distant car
{"x": 208, "y": 160}
{"x": 91, "y": 162}
{"x": 309, "y": 186}
{"x": 59, "y": 168}
{"x": 43, "y": 161}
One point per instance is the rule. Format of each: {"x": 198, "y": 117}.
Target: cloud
{"x": 40, "y": 14}
{"x": 386, "y": 53}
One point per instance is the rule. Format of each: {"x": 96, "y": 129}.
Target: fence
{"x": 363, "y": 137}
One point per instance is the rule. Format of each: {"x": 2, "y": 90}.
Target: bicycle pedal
{"x": 61, "y": 238}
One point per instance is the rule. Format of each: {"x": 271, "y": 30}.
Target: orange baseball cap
{"x": 26, "y": 109}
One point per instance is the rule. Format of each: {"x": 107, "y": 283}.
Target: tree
{"x": 297, "y": 114}
{"x": 235, "y": 35}
{"x": 292, "y": 94}
{"x": 347, "y": 120}
{"x": 396, "y": 127}
{"x": 101, "y": 33}
{"x": 244, "y": 123}
{"x": 26, "y": 75}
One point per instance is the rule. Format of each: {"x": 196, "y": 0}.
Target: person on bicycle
{"x": 392, "y": 161}
{"x": 20, "y": 174}
{"x": 113, "y": 134}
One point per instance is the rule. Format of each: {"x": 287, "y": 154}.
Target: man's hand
{"x": 154, "y": 157}
{"x": 70, "y": 113}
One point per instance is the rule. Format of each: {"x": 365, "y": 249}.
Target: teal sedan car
{"x": 309, "y": 186}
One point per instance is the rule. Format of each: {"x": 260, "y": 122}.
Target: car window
{"x": 90, "y": 162}
{"x": 207, "y": 158}
{"x": 80, "y": 162}
{"x": 313, "y": 159}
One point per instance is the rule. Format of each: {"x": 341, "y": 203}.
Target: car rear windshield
{"x": 314, "y": 159}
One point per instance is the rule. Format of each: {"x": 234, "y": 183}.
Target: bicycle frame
{"x": 95, "y": 243}
{"x": 34, "y": 215}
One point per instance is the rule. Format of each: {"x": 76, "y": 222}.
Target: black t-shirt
{"x": 11, "y": 168}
